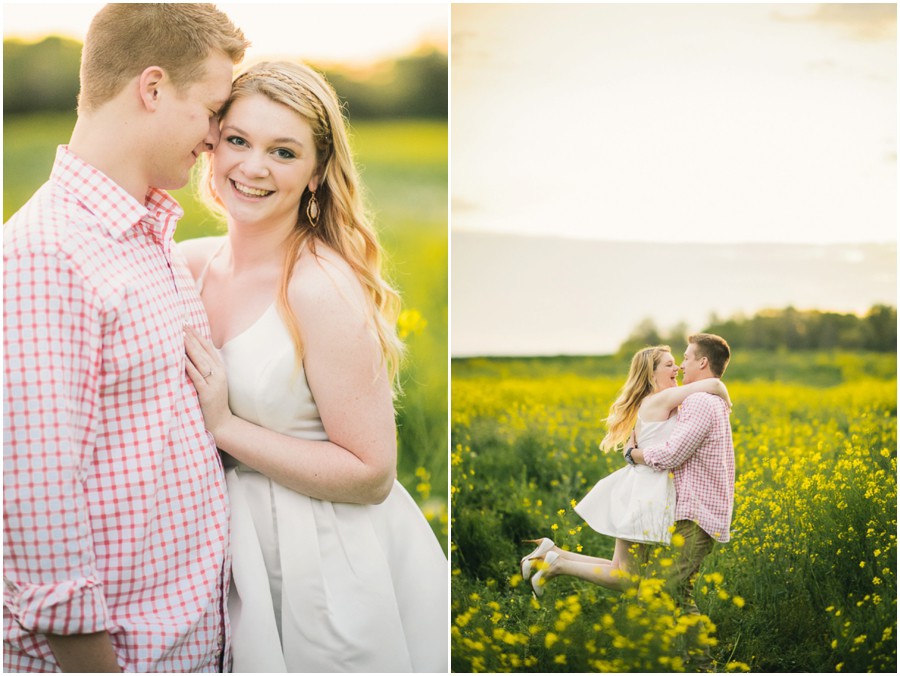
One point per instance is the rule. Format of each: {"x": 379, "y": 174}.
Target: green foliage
{"x": 787, "y": 329}
{"x": 413, "y": 86}
{"x": 646, "y": 333}
{"x": 793, "y": 329}
{"x": 43, "y": 76}
{"x": 404, "y": 166}
{"x": 29, "y": 146}
{"x": 807, "y": 583}
{"x": 807, "y": 368}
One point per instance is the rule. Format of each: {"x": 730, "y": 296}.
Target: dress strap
{"x": 202, "y": 278}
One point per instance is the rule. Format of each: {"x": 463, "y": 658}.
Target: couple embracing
{"x": 129, "y": 360}
{"x": 680, "y": 472}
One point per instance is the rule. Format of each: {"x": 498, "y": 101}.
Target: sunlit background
{"x": 346, "y": 33}
{"x": 388, "y": 63}
{"x": 627, "y": 174}
{"x": 683, "y": 160}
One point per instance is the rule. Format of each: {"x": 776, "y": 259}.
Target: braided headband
{"x": 295, "y": 84}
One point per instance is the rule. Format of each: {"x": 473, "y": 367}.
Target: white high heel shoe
{"x": 544, "y": 545}
{"x": 538, "y": 576}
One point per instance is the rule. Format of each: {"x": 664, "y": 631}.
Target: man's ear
{"x": 149, "y": 82}
{"x": 704, "y": 362}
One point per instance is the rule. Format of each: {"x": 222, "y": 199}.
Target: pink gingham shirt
{"x": 700, "y": 453}
{"x": 115, "y": 507}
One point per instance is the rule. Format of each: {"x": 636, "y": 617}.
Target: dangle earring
{"x": 312, "y": 209}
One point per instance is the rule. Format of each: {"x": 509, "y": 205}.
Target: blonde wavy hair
{"x": 639, "y": 385}
{"x": 343, "y": 223}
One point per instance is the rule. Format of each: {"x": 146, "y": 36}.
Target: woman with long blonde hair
{"x": 334, "y": 566}
{"x": 634, "y": 504}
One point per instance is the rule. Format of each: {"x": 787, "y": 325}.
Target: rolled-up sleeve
{"x": 53, "y": 346}
{"x": 695, "y": 419}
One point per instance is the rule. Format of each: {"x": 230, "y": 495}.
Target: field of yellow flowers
{"x": 807, "y": 583}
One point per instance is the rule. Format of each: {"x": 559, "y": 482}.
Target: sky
{"x": 369, "y": 32}
{"x": 530, "y": 296}
{"x": 684, "y": 123}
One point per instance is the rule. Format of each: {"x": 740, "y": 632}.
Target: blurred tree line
{"x": 787, "y": 329}
{"x": 40, "y": 76}
{"x": 43, "y": 76}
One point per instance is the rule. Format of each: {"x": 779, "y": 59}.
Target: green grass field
{"x": 404, "y": 169}
{"x": 807, "y": 582}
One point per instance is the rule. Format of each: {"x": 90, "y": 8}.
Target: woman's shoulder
{"x": 198, "y": 251}
{"x": 652, "y": 409}
{"x": 323, "y": 278}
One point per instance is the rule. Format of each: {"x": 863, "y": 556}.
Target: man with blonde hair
{"x": 115, "y": 506}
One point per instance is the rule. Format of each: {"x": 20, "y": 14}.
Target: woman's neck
{"x": 257, "y": 246}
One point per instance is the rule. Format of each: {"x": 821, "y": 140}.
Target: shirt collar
{"x": 163, "y": 214}
{"x": 117, "y": 210}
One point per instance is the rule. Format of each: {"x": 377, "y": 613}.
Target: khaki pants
{"x": 681, "y": 576}
{"x": 688, "y": 558}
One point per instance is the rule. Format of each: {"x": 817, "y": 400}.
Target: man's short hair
{"x": 126, "y": 38}
{"x": 715, "y": 349}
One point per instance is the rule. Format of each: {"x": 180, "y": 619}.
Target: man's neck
{"x": 102, "y": 140}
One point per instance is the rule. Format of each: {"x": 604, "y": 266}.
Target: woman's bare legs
{"x": 615, "y": 574}
{"x": 537, "y": 554}
{"x": 575, "y": 556}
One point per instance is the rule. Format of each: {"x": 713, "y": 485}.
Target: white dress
{"x": 322, "y": 586}
{"x": 635, "y": 503}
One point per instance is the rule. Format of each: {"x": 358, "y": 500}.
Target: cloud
{"x": 459, "y": 205}
{"x": 864, "y": 22}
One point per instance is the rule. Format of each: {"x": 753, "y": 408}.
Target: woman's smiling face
{"x": 666, "y": 372}
{"x": 265, "y": 160}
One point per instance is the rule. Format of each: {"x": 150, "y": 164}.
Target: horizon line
{"x": 581, "y": 238}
